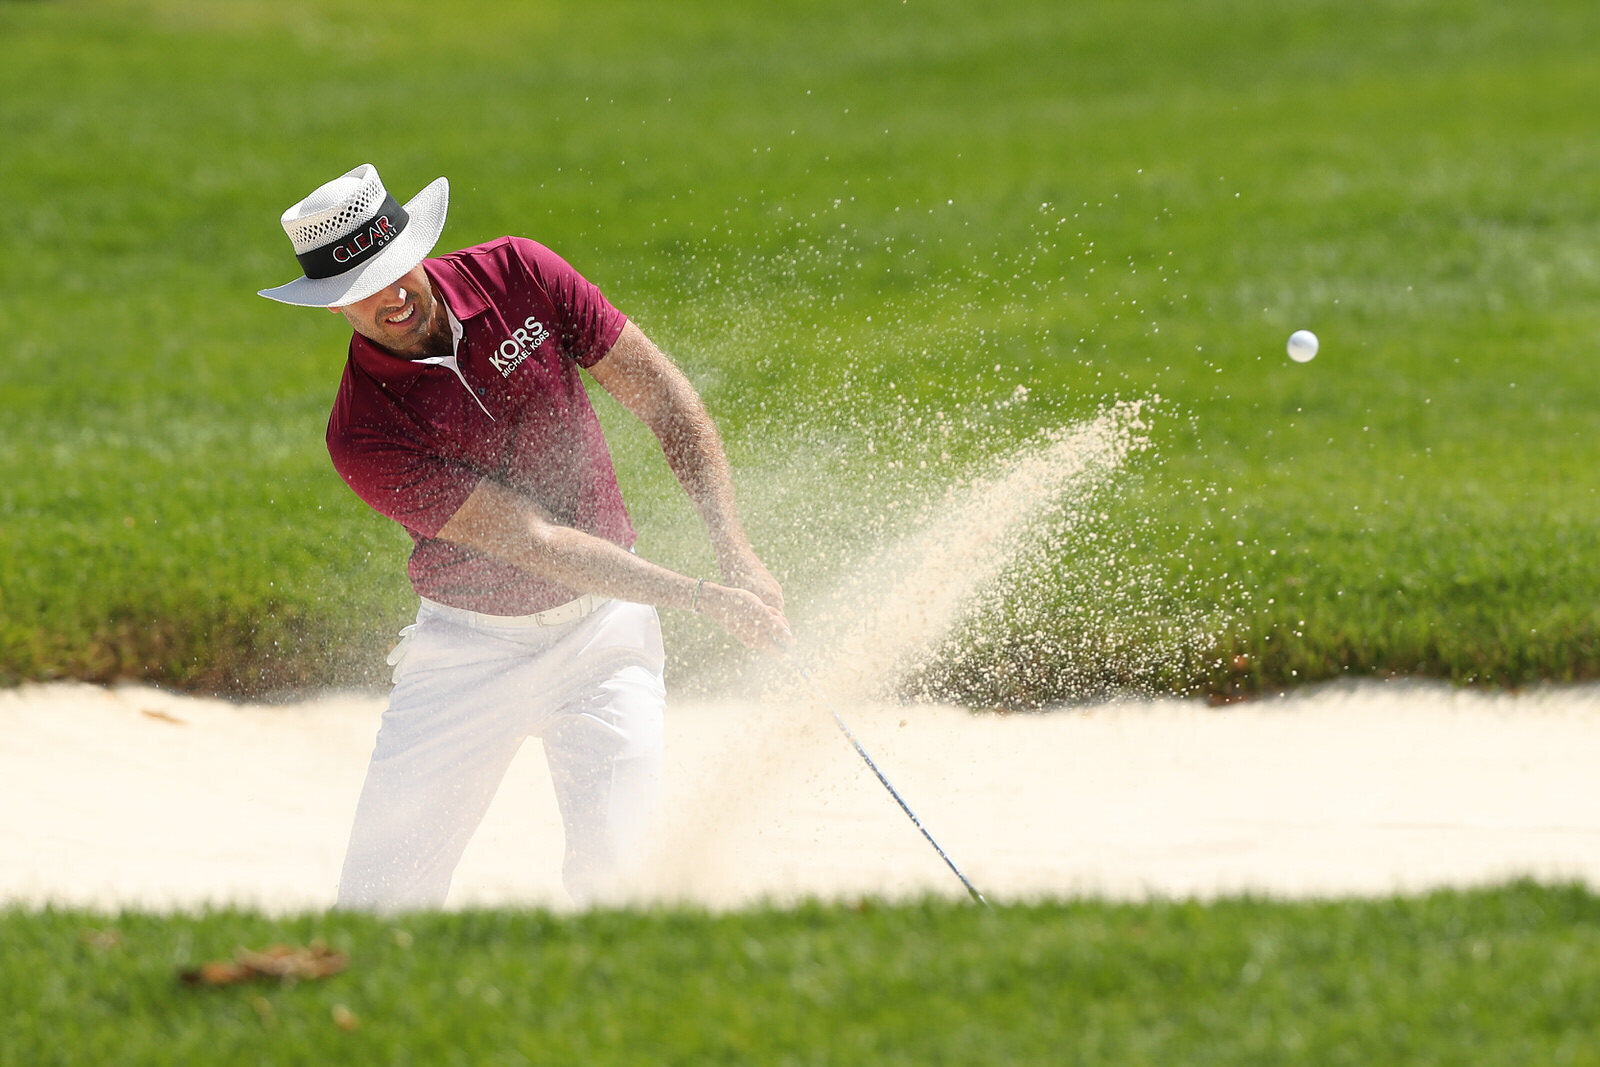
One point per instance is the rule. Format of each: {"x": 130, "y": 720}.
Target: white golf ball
{"x": 1302, "y": 346}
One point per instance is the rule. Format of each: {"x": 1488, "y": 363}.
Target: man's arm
{"x": 510, "y": 526}
{"x": 652, "y": 387}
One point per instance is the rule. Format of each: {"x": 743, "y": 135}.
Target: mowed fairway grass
{"x": 861, "y": 228}
{"x": 1504, "y": 976}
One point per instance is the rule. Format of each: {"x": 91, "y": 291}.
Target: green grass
{"x": 1492, "y": 976}
{"x": 852, "y": 223}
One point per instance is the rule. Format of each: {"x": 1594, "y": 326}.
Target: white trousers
{"x": 469, "y": 689}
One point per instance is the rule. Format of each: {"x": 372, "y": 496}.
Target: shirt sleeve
{"x": 419, "y": 490}
{"x": 590, "y": 325}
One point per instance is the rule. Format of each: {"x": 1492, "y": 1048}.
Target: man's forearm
{"x": 592, "y": 564}
{"x": 505, "y": 525}
{"x": 694, "y": 452}
{"x": 508, "y": 526}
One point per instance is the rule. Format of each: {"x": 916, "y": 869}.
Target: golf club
{"x": 801, "y": 670}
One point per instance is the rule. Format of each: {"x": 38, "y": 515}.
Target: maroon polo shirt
{"x": 414, "y": 440}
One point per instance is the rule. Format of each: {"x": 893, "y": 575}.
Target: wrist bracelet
{"x": 694, "y": 601}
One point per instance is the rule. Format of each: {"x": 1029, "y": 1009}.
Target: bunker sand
{"x": 137, "y": 798}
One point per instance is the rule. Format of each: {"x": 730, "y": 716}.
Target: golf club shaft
{"x": 862, "y": 752}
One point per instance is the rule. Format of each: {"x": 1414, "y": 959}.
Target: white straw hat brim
{"x": 426, "y": 211}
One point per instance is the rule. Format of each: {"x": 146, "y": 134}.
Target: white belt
{"x": 571, "y": 611}
{"x": 560, "y": 615}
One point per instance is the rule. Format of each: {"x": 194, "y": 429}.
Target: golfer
{"x": 463, "y": 417}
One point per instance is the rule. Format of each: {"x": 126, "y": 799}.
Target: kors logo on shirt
{"x": 523, "y": 342}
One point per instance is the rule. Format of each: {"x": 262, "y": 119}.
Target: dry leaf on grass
{"x": 286, "y": 963}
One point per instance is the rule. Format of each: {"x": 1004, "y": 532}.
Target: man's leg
{"x": 444, "y": 746}
{"x": 605, "y": 754}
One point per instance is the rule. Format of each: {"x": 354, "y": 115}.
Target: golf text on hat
{"x": 353, "y": 238}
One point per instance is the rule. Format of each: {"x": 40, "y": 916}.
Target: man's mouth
{"x": 403, "y": 316}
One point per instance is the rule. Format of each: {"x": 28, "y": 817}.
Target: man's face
{"x": 404, "y": 318}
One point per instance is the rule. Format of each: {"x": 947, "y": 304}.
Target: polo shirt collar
{"x": 458, "y": 290}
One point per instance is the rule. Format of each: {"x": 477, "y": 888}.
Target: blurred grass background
{"x": 860, "y": 228}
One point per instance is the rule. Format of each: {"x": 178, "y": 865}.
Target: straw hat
{"x": 353, "y": 238}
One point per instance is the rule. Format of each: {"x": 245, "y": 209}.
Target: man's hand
{"x": 746, "y": 616}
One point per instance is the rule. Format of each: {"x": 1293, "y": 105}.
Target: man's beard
{"x": 431, "y": 345}
{"x": 437, "y": 341}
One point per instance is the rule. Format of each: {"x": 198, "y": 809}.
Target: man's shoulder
{"x": 349, "y": 411}
{"x": 365, "y": 435}
{"x": 362, "y": 408}
{"x": 485, "y": 271}
{"x": 499, "y": 252}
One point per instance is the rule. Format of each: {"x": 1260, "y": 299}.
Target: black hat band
{"x": 359, "y": 245}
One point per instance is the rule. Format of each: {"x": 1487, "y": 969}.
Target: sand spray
{"x": 886, "y": 613}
